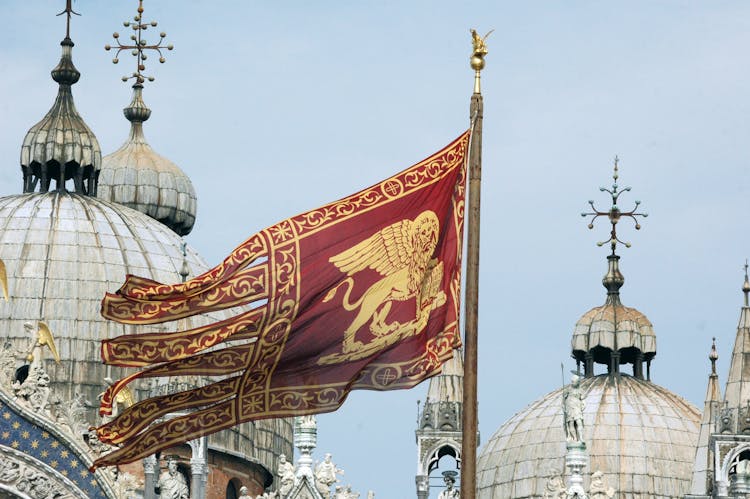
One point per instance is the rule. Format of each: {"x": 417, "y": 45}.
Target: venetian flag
{"x": 362, "y": 293}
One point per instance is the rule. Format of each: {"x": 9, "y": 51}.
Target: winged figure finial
{"x": 4, "y": 279}
{"x": 43, "y": 338}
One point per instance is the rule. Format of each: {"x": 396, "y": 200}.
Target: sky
{"x": 274, "y": 108}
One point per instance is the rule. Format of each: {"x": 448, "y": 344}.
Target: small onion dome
{"x": 641, "y": 436}
{"x": 613, "y": 334}
{"x": 137, "y": 177}
{"x": 61, "y": 146}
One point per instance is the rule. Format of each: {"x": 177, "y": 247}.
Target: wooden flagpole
{"x": 471, "y": 299}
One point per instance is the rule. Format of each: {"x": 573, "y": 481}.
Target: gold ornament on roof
{"x": 4, "y": 280}
{"x": 43, "y": 338}
{"x": 477, "y": 56}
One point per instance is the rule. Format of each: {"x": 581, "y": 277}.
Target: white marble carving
{"x": 325, "y": 476}
{"x": 172, "y": 483}
{"x": 555, "y": 488}
{"x": 573, "y": 406}
{"x": 286, "y": 475}
{"x": 598, "y": 488}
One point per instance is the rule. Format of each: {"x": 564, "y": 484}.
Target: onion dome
{"x": 639, "y": 435}
{"x": 61, "y": 146}
{"x": 614, "y": 334}
{"x": 137, "y": 177}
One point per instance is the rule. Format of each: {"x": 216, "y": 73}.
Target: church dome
{"x": 636, "y": 436}
{"x": 138, "y": 177}
{"x": 641, "y": 436}
{"x": 614, "y": 334}
{"x": 63, "y": 252}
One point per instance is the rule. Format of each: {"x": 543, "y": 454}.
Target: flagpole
{"x": 471, "y": 300}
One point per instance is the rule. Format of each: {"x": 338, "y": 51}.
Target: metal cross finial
{"x": 139, "y": 46}
{"x": 614, "y": 213}
{"x": 68, "y": 10}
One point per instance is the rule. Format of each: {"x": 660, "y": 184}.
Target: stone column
{"x": 638, "y": 365}
{"x": 198, "y": 468}
{"x": 423, "y": 486}
{"x": 615, "y": 363}
{"x": 588, "y": 367}
{"x": 149, "y": 469}
{"x": 575, "y": 460}
{"x": 305, "y": 439}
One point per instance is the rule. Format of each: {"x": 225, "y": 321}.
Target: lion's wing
{"x": 386, "y": 251}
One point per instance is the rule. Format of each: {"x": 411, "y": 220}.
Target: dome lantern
{"x": 61, "y": 146}
{"x": 613, "y": 334}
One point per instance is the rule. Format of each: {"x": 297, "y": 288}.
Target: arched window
{"x": 233, "y": 489}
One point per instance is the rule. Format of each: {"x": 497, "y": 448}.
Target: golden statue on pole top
{"x": 477, "y": 56}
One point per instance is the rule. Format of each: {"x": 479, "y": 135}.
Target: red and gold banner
{"x": 362, "y": 293}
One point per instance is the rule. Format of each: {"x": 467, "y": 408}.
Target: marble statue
{"x": 286, "y": 475}
{"x": 449, "y": 492}
{"x": 573, "y": 405}
{"x": 555, "y": 488}
{"x": 325, "y": 476}
{"x": 172, "y": 483}
{"x": 243, "y": 493}
{"x": 599, "y": 489}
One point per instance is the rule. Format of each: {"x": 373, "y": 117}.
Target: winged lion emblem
{"x": 402, "y": 254}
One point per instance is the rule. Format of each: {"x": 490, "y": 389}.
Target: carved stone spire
{"x": 439, "y": 427}
{"x": 703, "y": 469}
{"x": 730, "y": 475}
{"x": 61, "y": 146}
{"x": 737, "y": 391}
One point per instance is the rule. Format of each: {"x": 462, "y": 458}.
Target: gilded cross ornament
{"x": 614, "y": 214}
{"x": 68, "y": 10}
{"x": 139, "y": 45}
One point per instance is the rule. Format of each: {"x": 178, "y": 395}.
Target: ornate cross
{"x": 139, "y": 46}
{"x": 614, "y": 213}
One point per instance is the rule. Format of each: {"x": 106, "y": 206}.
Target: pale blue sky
{"x": 274, "y": 108}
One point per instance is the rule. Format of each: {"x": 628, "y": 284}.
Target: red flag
{"x": 359, "y": 293}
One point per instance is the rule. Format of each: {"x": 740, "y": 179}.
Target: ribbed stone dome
{"x": 62, "y": 252}
{"x": 137, "y": 177}
{"x": 61, "y": 146}
{"x": 639, "y": 435}
{"x": 613, "y": 326}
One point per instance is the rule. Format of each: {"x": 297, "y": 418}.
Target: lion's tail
{"x": 345, "y": 302}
